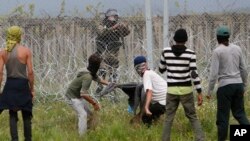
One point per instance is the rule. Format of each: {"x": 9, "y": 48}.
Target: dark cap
{"x": 223, "y": 31}
{"x": 139, "y": 60}
{"x": 181, "y": 35}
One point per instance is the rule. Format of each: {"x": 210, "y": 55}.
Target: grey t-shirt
{"x": 228, "y": 67}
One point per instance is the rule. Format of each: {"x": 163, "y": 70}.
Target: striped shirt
{"x": 181, "y": 70}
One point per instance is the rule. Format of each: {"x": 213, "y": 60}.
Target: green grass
{"x": 56, "y": 121}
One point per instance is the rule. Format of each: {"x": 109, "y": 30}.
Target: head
{"x": 94, "y": 62}
{"x": 14, "y": 34}
{"x": 180, "y": 36}
{"x": 140, "y": 64}
{"x": 111, "y": 16}
{"x": 223, "y": 34}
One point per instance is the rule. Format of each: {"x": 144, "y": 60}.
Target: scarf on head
{"x": 13, "y": 37}
{"x": 141, "y": 68}
{"x": 93, "y": 68}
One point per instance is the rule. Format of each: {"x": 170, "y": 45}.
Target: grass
{"x": 56, "y": 121}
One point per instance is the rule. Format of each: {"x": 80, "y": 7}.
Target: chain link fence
{"x": 61, "y": 45}
{"x": 201, "y": 19}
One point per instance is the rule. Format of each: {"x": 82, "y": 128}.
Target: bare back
{"x": 16, "y": 63}
{"x": 22, "y": 54}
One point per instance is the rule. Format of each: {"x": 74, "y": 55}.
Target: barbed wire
{"x": 61, "y": 46}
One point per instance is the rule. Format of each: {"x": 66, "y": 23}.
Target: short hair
{"x": 180, "y": 36}
{"x": 95, "y": 59}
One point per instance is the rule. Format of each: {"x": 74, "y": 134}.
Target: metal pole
{"x": 165, "y": 24}
{"x": 149, "y": 33}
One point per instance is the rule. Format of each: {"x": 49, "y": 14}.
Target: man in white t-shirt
{"x": 155, "y": 88}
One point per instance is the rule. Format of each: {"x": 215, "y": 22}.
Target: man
{"x": 110, "y": 37}
{"x": 78, "y": 94}
{"x": 19, "y": 87}
{"x": 180, "y": 64}
{"x": 229, "y": 69}
{"x": 155, "y": 88}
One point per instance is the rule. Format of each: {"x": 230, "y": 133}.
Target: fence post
{"x": 165, "y": 24}
{"x": 149, "y": 33}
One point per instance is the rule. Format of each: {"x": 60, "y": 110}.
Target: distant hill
{"x": 243, "y": 10}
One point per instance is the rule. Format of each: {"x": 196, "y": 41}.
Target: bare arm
{"x": 88, "y": 98}
{"x": 148, "y": 100}
{"x": 30, "y": 71}
{"x": 105, "y": 82}
{"x": 1, "y": 67}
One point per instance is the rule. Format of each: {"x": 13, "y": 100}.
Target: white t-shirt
{"x": 154, "y": 82}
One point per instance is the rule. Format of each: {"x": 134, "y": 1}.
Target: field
{"x": 56, "y": 121}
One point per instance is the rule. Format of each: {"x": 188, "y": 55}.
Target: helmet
{"x": 111, "y": 12}
{"x": 223, "y": 31}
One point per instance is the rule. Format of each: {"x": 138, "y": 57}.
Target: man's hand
{"x": 200, "y": 99}
{"x": 147, "y": 111}
{"x": 33, "y": 95}
{"x": 97, "y": 107}
{"x": 209, "y": 96}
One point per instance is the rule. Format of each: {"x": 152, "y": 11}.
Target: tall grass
{"x": 56, "y": 121}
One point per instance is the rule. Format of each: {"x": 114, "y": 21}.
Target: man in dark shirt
{"x": 109, "y": 39}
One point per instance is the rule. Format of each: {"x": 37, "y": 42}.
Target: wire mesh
{"x": 61, "y": 45}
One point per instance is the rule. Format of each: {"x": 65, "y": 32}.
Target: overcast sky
{"x": 52, "y": 7}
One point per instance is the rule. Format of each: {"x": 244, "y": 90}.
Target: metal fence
{"x": 62, "y": 45}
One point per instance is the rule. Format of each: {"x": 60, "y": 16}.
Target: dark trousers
{"x": 230, "y": 97}
{"x": 27, "y": 116}
{"x": 157, "y": 110}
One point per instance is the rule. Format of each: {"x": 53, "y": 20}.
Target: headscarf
{"x": 93, "y": 68}
{"x": 141, "y": 68}
{"x": 94, "y": 64}
{"x": 13, "y": 37}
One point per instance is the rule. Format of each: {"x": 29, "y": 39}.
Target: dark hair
{"x": 180, "y": 36}
{"x": 223, "y": 40}
{"x": 94, "y": 59}
{"x": 94, "y": 64}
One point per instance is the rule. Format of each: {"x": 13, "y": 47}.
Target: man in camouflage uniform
{"x": 108, "y": 42}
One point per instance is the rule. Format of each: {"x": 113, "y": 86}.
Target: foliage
{"x": 56, "y": 121}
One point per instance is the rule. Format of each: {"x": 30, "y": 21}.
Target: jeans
{"x": 82, "y": 110}
{"x": 230, "y": 97}
{"x": 27, "y": 116}
{"x": 187, "y": 102}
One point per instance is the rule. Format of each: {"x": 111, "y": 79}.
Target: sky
{"x": 125, "y": 7}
